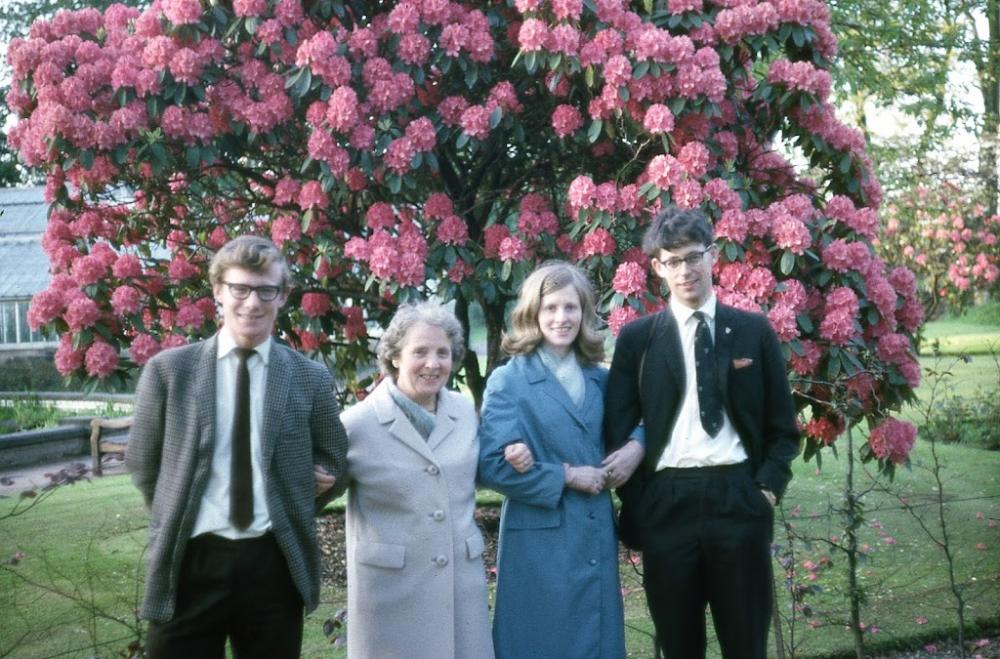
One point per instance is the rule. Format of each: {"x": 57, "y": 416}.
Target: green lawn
{"x": 977, "y": 332}
{"x": 87, "y": 540}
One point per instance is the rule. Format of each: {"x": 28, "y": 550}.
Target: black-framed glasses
{"x": 243, "y": 291}
{"x": 691, "y": 258}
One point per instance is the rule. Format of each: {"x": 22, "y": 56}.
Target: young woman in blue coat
{"x": 558, "y": 592}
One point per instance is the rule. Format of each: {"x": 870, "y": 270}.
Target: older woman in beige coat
{"x": 415, "y": 580}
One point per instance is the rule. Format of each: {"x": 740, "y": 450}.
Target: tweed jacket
{"x": 416, "y": 588}
{"x": 170, "y": 453}
{"x": 646, "y": 382}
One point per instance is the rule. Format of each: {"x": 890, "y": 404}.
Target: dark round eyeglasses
{"x": 243, "y": 291}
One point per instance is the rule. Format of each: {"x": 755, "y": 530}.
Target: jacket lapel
{"x": 275, "y": 399}
{"x": 539, "y": 376}
{"x": 399, "y": 426}
{"x": 725, "y": 332}
{"x": 205, "y": 396}
{"x": 445, "y": 423}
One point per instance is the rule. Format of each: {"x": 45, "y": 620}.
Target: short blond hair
{"x": 251, "y": 253}
{"x": 525, "y": 335}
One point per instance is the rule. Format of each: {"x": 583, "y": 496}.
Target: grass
{"x": 31, "y": 413}
{"x": 87, "y": 540}
{"x": 976, "y": 332}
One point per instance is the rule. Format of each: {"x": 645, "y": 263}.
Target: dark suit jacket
{"x": 170, "y": 454}
{"x": 756, "y": 395}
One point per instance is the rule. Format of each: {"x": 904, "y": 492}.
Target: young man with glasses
{"x": 236, "y": 444}
{"x": 707, "y": 383}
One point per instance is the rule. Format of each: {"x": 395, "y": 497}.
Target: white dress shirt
{"x": 213, "y": 514}
{"x": 690, "y": 445}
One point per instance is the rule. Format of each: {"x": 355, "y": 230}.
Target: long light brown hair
{"x": 525, "y": 335}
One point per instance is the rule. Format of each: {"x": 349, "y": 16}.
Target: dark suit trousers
{"x": 706, "y": 536}
{"x": 240, "y": 589}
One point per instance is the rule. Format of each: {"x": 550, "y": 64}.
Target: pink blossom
{"x": 127, "y": 266}
{"x": 581, "y": 192}
{"x": 143, "y": 347}
{"x": 251, "y": 8}
{"x": 438, "y": 206}
{"x": 422, "y": 134}
{"x": 806, "y": 363}
{"x": 458, "y": 272}
{"x": 81, "y": 313}
{"x": 312, "y": 196}
{"x": 453, "y": 231}
{"x": 783, "y": 320}
{"x": 89, "y": 270}
{"x": 181, "y": 269}
{"x": 598, "y": 242}
{"x": 476, "y": 121}
{"x": 493, "y": 236}
{"x": 566, "y": 120}
{"x": 380, "y": 216}
{"x": 619, "y": 317}
{"x": 790, "y": 233}
{"x": 664, "y": 171}
{"x": 839, "y": 322}
{"x": 694, "y": 159}
{"x": 126, "y": 300}
{"x": 532, "y": 35}
{"x": 342, "y": 109}
{"x": 354, "y": 323}
{"x": 892, "y": 440}
{"x": 512, "y": 248}
{"x": 629, "y": 279}
{"x": 315, "y": 305}
{"x": 189, "y": 316}
{"x": 356, "y": 248}
{"x": 285, "y": 229}
{"x": 68, "y": 360}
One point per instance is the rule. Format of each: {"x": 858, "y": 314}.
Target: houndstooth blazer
{"x": 170, "y": 453}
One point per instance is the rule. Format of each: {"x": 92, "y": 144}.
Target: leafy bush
{"x": 969, "y": 420}
{"x": 27, "y": 414}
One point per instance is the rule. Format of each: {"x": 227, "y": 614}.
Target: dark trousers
{"x": 706, "y": 536}
{"x": 240, "y": 589}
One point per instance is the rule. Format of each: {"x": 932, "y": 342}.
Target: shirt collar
{"x": 226, "y": 344}
{"x": 683, "y": 312}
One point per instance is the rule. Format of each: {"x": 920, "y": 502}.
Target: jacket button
{"x": 590, "y": 515}
{"x": 593, "y": 561}
{"x": 433, "y": 470}
{"x": 438, "y": 515}
{"x": 441, "y": 560}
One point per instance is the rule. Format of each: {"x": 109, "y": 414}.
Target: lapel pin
{"x": 728, "y": 330}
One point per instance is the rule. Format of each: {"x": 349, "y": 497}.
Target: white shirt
{"x": 690, "y": 445}
{"x": 213, "y": 514}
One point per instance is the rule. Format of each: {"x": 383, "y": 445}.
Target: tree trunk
{"x": 989, "y": 79}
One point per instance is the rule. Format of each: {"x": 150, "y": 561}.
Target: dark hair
{"x": 251, "y": 253}
{"x": 551, "y": 276}
{"x": 673, "y": 227}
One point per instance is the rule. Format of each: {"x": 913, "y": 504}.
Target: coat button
{"x": 433, "y": 470}
{"x": 438, "y": 515}
{"x": 593, "y": 561}
{"x": 590, "y": 515}
{"x": 441, "y": 560}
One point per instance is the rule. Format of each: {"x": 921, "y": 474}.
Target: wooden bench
{"x": 102, "y": 442}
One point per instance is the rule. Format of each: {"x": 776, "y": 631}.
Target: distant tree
{"x": 426, "y": 146}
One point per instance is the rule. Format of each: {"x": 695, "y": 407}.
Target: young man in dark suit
{"x": 236, "y": 444}
{"x": 707, "y": 383}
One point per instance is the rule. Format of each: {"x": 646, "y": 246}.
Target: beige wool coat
{"x": 415, "y": 581}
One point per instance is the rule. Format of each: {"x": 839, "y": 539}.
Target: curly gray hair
{"x": 432, "y": 313}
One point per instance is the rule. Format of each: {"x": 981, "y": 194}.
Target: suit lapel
{"x": 445, "y": 423}
{"x": 664, "y": 354}
{"x": 275, "y": 399}
{"x": 539, "y": 376}
{"x": 725, "y": 332}
{"x": 399, "y": 426}
{"x": 205, "y": 397}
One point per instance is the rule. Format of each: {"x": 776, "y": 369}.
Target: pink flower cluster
{"x": 892, "y": 440}
{"x": 840, "y": 316}
{"x": 801, "y": 76}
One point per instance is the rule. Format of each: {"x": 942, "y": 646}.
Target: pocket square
{"x": 742, "y": 363}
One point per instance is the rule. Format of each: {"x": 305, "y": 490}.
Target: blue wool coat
{"x": 558, "y": 592}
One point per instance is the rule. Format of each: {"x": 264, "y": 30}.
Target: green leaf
{"x": 594, "y": 131}
{"x": 640, "y": 69}
{"x": 193, "y": 157}
{"x": 805, "y": 322}
{"x": 462, "y": 140}
{"x": 787, "y": 262}
{"x": 845, "y": 163}
{"x": 531, "y": 61}
{"x": 395, "y": 183}
{"x": 623, "y": 93}
{"x": 588, "y": 76}
{"x": 495, "y": 117}
{"x": 471, "y": 76}
{"x": 505, "y": 270}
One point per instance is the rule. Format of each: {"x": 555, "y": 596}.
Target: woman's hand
{"x": 620, "y": 464}
{"x": 589, "y": 480}
{"x": 519, "y": 456}
{"x": 324, "y": 480}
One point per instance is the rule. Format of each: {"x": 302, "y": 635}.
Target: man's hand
{"x": 324, "y": 480}
{"x": 519, "y": 456}
{"x": 589, "y": 480}
{"x": 769, "y": 495}
{"x": 620, "y": 464}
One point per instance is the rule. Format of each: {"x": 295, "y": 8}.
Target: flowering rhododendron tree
{"x": 402, "y": 148}
{"x": 950, "y": 242}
